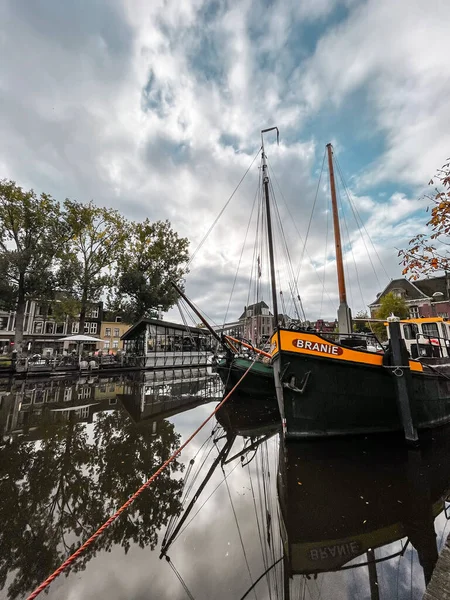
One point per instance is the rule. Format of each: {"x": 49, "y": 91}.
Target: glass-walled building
{"x": 164, "y": 344}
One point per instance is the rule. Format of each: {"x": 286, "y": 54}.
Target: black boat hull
{"x": 324, "y": 397}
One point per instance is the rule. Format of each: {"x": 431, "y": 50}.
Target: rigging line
{"x": 180, "y": 579}
{"x": 268, "y": 507}
{"x": 132, "y": 498}
{"x": 222, "y": 211}
{"x": 357, "y": 216}
{"x": 271, "y": 509}
{"x": 206, "y": 500}
{"x": 261, "y": 505}
{"x": 194, "y": 479}
{"x": 242, "y": 252}
{"x": 327, "y": 211}
{"x": 205, "y": 314}
{"x": 291, "y": 273}
{"x": 189, "y": 332}
{"x": 255, "y": 246}
{"x": 312, "y": 213}
{"x": 240, "y": 534}
{"x": 260, "y": 577}
{"x": 351, "y": 247}
{"x": 259, "y": 530}
{"x": 174, "y": 518}
{"x": 345, "y": 243}
{"x": 294, "y": 281}
{"x": 304, "y": 251}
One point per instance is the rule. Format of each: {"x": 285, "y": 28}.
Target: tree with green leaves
{"x": 155, "y": 255}
{"x": 31, "y": 236}
{"x": 360, "y": 326}
{"x": 56, "y": 493}
{"x": 97, "y": 242}
{"x": 389, "y": 304}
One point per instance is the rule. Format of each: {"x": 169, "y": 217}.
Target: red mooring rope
{"x": 130, "y": 500}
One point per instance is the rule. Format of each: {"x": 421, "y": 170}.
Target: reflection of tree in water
{"x": 58, "y": 491}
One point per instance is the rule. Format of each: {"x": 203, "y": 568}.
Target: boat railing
{"x": 430, "y": 346}
{"x": 355, "y": 340}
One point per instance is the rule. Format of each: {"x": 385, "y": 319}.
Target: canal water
{"x": 239, "y": 514}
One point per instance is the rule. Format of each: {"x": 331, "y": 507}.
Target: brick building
{"x": 425, "y": 298}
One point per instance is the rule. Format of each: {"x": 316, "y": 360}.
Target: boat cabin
{"x": 426, "y": 337}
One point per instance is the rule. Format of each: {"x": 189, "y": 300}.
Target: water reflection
{"x": 239, "y": 514}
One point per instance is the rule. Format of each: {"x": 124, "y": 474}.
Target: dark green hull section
{"x": 324, "y": 397}
{"x": 258, "y": 382}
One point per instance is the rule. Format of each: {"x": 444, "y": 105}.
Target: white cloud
{"x": 155, "y": 109}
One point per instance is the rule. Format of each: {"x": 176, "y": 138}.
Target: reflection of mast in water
{"x": 341, "y": 500}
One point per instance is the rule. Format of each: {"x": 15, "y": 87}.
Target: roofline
{"x": 401, "y": 279}
{"x": 166, "y": 324}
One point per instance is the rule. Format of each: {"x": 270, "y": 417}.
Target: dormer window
{"x": 398, "y": 292}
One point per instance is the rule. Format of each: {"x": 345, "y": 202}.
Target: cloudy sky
{"x": 155, "y": 108}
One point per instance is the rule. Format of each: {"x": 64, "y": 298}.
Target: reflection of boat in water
{"x": 343, "y": 500}
{"x": 350, "y": 506}
{"x": 247, "y": 416}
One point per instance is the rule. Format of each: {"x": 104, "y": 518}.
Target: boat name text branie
{"x": 317, "y": 347}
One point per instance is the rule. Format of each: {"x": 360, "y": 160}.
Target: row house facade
{"x": 257, "y": 323}
{"x": 41, "y": 331}
{"x": 111, "y": 332}
{"x": 424, "y": 298}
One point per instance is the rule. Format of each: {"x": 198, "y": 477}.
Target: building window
{"x": 84, "y": 393}
{"x": 75, "y": 327}
{"x": 106, "y": 345}
{"x": 38, "y": 326}
{"x": 93, "y": 328}
{"x": 67, "y": 394}
{"x": 108, "y": 332}
{"x": 118, "y": 319}
{"x": 116, "y": 332}
{"x": 93, "y": 313}
{"x": 115, "y": 344}
{"x": 59, "y": 327}
{"x": 4, "y": 323}
{"x": 414, "y": 312}
{"x": 49, "y": 327}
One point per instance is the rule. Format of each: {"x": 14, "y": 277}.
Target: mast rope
{"x": 132, "y": 498}
{"x": 291, "y": 273}
{"x": 180, "y": 579}
{"x": 359, "y": 223}
{"x": 203, "y": 240}
{"x": 311, "y": 216}
{"x": 260, "y": 577}
{"x": 260, "y": 536}
{"x": 240, "y": 534}
{"x": 206, "y": 500}
{"x": 240, "y": 257}
{"x": 326, "y": 255}
{"x": 349, "y": 243}
{"x": 304, "y": 250}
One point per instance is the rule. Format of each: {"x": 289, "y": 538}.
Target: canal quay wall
{"x": 439, "y": 586}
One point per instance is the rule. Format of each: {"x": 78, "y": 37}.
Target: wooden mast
{"x": 344, "y": 315}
